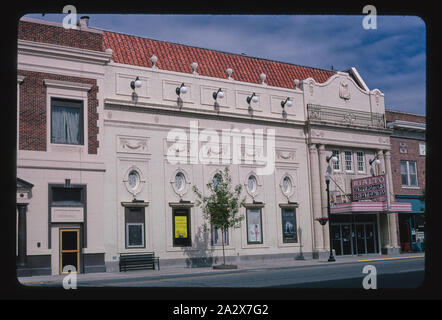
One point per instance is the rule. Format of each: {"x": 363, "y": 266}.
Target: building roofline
{"x": 216, "y": 50}
{"x": 403, "y": 112}
{"x": 58, "y": 24}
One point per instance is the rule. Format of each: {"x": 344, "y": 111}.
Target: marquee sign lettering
{"x": 369, "y": 188}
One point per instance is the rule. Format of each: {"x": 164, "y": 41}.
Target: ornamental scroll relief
{"x": 285, "y": 155}
{"x": 133, "y": 144}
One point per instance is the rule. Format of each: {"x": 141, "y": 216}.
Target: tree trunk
{"x": 222, "y": 241}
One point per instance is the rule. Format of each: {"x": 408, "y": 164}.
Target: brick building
{"x": 408, "y": 165}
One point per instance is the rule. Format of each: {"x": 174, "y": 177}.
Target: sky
{"x": 391, "y": 58}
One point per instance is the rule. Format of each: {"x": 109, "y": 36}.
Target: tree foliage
{"x": 221, "y": 206}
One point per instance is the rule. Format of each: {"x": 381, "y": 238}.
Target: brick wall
{"x": 32, "y": 111}
{"x": 412, "y": 148}
{"x": 60, "y": 36}
{"x": 391, "y": 115}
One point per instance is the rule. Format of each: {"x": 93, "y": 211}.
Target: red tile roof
{"x": 132, "y": 50}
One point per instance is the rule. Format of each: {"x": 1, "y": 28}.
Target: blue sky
{"x": 391, "y": 58}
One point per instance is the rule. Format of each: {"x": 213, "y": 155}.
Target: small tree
{"x": 221, "y": 207}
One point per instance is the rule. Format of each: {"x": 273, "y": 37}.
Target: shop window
{"x": 289, "y": 234}
{"x": 408, "y": 174}
{"x": 181, "y": 227}
{"x": 135, "y": 225}
{"x": 254, "y": 226}
{"x": 66, "y": 121}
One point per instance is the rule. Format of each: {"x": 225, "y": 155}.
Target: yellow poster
{"x": 180, "y": 227}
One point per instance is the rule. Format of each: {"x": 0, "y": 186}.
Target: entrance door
{"x": 347, "y": 245}
{"x": 336, "y": 238}
{"x": 181, "y": 228}
{"x": 69, "y": 249}
{"x": 360, "y": 238}
{"x": 370, "y": 238}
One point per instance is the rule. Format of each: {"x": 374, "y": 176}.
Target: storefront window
{"x": 254, "y": 226}
{"x": 289, "y": 234}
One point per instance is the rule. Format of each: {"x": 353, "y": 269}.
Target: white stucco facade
{"x": 133, "y": 130}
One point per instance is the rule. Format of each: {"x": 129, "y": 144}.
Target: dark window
{"x": 134, "y": 222}
{"x": 66, "y": 196}
{"x": 66, "y": 121}
{"x": 289, "y": 225}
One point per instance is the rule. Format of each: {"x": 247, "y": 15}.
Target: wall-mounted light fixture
{"x": 375, "y": 160}
{"x": 332, "y": 158}
{"x": 218, "y": 94}
{"x": 253, "y": 98}
{"x": 136, "y": 83}
{"x": 287, "y": 103}
{"x": 181, "y": 89}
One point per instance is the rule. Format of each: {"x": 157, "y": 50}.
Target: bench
{"x": 138, "y": 261}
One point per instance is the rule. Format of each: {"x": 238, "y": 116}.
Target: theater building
{"x": 114, "y": 131}
{"x": 408, "y": 164}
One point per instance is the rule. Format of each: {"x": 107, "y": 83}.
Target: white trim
{"x": 20, "y": 78}
{"x": 50, "y": 83}
{"x": 62, "y": 52}
{"x": 359, "y": 78}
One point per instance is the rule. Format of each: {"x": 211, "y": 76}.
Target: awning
{"x": 417, "y": 202}
{"x": 370, "y": 207}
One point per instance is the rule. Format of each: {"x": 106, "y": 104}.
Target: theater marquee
{"x": 369, "y": 188}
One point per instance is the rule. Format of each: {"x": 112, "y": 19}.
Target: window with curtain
{"x": 66, "y": 121}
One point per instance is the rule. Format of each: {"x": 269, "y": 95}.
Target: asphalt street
{"x": 389, "y": 273}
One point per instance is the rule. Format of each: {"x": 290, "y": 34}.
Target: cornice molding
{"x": 62, "y": 52}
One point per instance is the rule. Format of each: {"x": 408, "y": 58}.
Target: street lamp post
{"x": 327, "y": 181}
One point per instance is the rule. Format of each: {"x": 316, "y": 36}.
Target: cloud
{"x": 390, "y": 58}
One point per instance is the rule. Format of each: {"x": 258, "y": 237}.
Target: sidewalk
{"x": 245, "y": 266}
